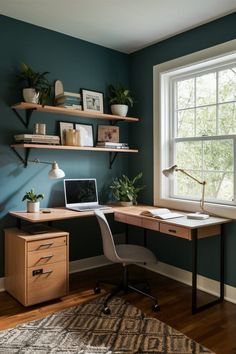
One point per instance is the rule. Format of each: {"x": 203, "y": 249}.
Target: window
{"x": 195, "y": 125}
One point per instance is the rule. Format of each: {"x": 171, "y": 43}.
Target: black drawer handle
{"x": 47, "y": 257}
{"x": 173, "y": 231}
{"x": 47, "y": 271}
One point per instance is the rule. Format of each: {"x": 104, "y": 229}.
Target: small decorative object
{"x": 92, "y": 101}
{"x": 32, "y": 201}
{"x": 125, "y": 190}
{"x": 73, "y": 137}
{"x": 37, "y": 87}
{"x": 108, "y": 133}
{"x": 40, "y": 128}
{"x": 86, "y": 134}
{"x": 71, "y": 100}
{"x": 63, "y": 127}
{"x": 120, "y": 98}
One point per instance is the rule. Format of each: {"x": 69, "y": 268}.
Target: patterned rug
{"x": 84, "y": 329}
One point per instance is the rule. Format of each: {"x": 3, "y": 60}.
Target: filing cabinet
{"x": 36, "y": 266}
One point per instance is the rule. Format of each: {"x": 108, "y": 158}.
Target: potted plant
{"x": 125, "y": 189}
{"x": 120, "y": 98}
{"x": 33, "y": 204}
{"x": 37, "y": 87}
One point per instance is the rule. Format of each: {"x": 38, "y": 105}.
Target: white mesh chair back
{"x": 109, "y": 247}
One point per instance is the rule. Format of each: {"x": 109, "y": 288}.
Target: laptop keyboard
{"x": 86, "y": 208}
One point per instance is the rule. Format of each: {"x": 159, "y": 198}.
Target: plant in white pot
{"x": 37, "y": 87}
{"x": 125, "y": 189}
{"x": 120, "y": 99}
{"x": 33, "y": 204}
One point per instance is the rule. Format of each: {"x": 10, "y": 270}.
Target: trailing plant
{"x": 31, "y": 196}
{"x": 120, "y": 95}
{"x": 35, "y": 80}
{"x": 125, "y": 189}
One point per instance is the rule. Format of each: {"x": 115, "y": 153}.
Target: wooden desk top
{"x": 135, "y": 210}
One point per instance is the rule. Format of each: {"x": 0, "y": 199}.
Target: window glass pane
{"x": 227, "y": 85}
{"x": 185, "y": 94}
{"x": 227, "y": 119}
{"x": 186, "y": 187}
{"x": 189, "y": 155}
{"x": 206, "y": 121}
{"x": 206, "y": 89}
{"x": 185, "y": 123}
{"x": 218, "y": 155}
{"x": 220, "y": 185}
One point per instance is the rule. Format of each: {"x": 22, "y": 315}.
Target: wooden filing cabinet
{"x": 36, "y": 266}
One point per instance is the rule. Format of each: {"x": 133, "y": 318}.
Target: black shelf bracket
{"x": 24, "y": 159}
{"x": 28, "y": 114}
{"x": 112, "y": 157}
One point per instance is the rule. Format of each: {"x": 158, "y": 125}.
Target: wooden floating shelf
{"x": 71, "y": 112}
{"x": 65, "y": 147}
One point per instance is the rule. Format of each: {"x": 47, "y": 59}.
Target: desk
{"x": 189, "y": 229}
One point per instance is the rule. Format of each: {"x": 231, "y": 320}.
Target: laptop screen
{"x": 80, "y": 191}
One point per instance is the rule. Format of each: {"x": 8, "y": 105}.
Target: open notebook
{"x": 161, "y": 213}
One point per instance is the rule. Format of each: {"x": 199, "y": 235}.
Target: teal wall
{"x": 78, "y": 64}
{"x": 170, "y": 250}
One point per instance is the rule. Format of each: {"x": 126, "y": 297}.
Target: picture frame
{"x": 108, "y": 133}
{"x": 93, "y": 101}
{"x": 86, "y": 134}
{"x": 63, "y": 127}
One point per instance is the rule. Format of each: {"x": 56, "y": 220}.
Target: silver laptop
{"x": 81, "y": 194}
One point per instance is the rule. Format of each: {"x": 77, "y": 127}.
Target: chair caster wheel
{"x": 106, "y": 311}
{"x": 156, "y": 308}
{"x": 97, "y": 290}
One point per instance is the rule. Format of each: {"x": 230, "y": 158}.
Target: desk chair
{"x": 124, "y": 254}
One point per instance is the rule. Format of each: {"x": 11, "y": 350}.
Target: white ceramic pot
{"x": 30, "y": 95}
{"x": 119, "y": 109}
{"x": 33, "y": 207}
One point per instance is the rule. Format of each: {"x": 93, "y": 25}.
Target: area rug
{"x": 84, "y": 329}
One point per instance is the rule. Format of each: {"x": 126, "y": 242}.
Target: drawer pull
{"x": 173, "y": 231}
{"x": 47, "y": 272}
{"x": 47, "y": 257}
{"x": 46, "y": 245}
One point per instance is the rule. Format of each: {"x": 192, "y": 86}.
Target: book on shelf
{"x": 111, "y": 145}
{"x": 69, "y": 100}
{"x": 68, "y": 94}
{"x": 70, "y": 106}
{"x": 161, "y": 213}
{"x": 37, "y": 138}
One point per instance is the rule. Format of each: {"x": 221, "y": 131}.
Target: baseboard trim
{"x": 183, "y": 276}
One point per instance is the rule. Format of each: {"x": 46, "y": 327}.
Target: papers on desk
{"x": 161, "y": 213}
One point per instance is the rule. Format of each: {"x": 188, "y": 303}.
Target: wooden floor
{"x": 215, "y": 328}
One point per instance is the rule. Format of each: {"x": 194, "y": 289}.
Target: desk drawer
{"x": 151, "y": 224}
{"x": 175, "y": 231}
{"x": 51, "y": 284}
{"x": 128, "y": 219}
{"x": 46, "y": 243}
{"x": 48, "y": 256}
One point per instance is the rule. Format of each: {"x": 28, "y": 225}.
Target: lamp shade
{"x": 55, "y": 171}
{"x": 169, "y": 171}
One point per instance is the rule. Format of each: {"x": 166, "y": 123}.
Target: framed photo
{"x": 63, "y": 127}
{"x": 108, "y": 133}
{"x": 86, "y": 134}
{"x": 92, "y": 101}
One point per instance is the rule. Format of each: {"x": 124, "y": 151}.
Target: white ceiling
{"x": 124, "y": 25}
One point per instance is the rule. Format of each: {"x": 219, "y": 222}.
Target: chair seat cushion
{"x": 135, "y": 254}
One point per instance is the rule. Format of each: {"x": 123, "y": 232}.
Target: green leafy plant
{"x": 35, "y": 80}
{"x": 120, "y": 95}
{"x": 31, "y": 196}
{"x": 125, "y": 189}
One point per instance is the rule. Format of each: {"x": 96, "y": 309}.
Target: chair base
{"x": 124, "y": 287}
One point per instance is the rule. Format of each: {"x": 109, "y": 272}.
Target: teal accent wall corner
{"x": 168, "y": 249}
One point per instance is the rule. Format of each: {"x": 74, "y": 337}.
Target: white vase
{"x": 33, "y": 207}
{"x": 119, "y": 109}
{"x": 30, "y": 95}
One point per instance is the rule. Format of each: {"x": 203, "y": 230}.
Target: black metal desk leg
{"x": 145, "y": 237}
{"x": 126, "y": 233}
{"x": 194, "y": 271}
{"x": 222, "y": 264}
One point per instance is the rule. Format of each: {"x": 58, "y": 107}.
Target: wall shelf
{"x": 31, "y": 107}
{"x": 112, "y": 152}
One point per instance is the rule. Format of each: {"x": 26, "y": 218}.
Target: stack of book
{"x": 37, "y": 139}
{"x": 69, "y": 100}
{"x": 111, "y": 145}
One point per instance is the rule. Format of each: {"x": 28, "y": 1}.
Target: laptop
{"x": 81, "y": 194}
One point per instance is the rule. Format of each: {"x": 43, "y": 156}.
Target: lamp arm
{"x": 38, "y": 161}
{"x": 190, "y": 176}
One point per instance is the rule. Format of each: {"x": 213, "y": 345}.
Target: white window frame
{"x": 161, "y": 125}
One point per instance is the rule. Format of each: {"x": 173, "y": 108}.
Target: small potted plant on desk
{"x": 125, "y": 189}
{"x": 120, "y": 99}
{"x": 33, "y": 204}
{"x": 37, "y": 87}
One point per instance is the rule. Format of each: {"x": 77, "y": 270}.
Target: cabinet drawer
{"x": 151, "y": 224}
{"x": 175, "y": 231}
{"x": 128, "y": 219}
{"x": 47, "y": 256}
{"x": 51, "y": 284}
{"x": 46, "y": 243}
